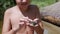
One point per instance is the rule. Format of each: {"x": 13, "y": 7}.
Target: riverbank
{"x": 52, "y": 29}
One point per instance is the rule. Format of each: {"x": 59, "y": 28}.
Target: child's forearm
{"x": 39, "y": 30}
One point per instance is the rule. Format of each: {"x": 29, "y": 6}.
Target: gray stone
{"x": 52, "y": 10}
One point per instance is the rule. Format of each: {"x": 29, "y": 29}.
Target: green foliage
{"x": 5, "y": 4}
{"x": 43, "y": 3}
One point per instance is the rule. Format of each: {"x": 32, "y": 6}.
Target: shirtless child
{"x": 15, "y": 21}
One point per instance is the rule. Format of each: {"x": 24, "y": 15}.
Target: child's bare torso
{"x": 15, "y": 17}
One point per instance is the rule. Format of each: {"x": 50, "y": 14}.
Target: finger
{"x": 36, "y": 19}
{"x": 36, "y": 25}
{"x": 27, "y": 19}
{"x": 27, "y": 23}
{"x": 24, "y": 20}
{"x": 31, "y": 24}
{"x": 21, "y": 23}
{"x": 21, "y": 18}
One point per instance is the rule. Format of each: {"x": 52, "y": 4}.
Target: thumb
{"x": 36, "y": 19}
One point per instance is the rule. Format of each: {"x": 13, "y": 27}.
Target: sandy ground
{"x": 48, "y": 28}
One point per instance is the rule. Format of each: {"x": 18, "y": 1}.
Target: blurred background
{"x": 5, "y": 4}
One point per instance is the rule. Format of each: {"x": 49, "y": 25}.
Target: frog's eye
{"x": 31, "y": 22}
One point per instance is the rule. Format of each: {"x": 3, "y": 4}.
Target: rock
{"x": 52, "y": 13}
